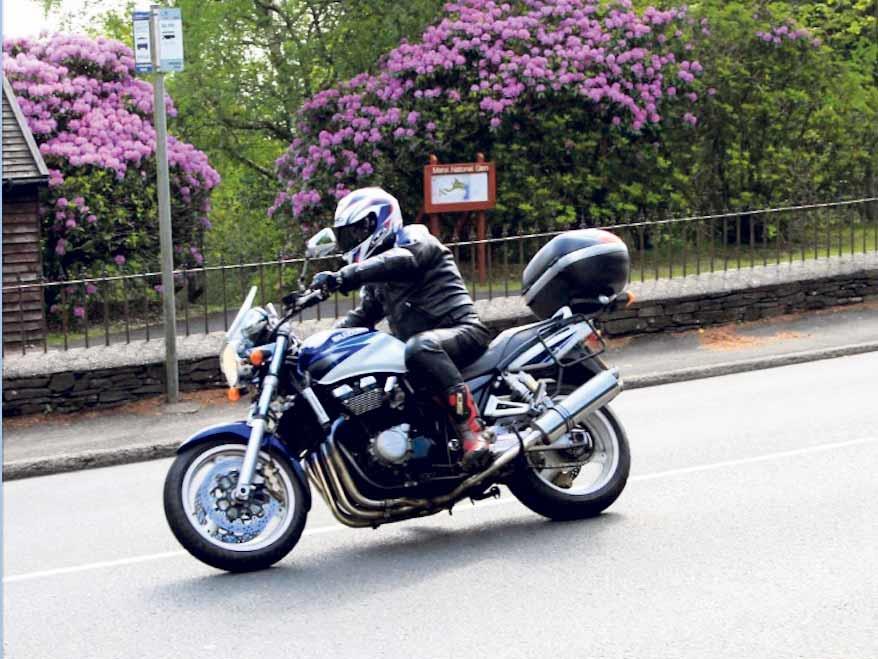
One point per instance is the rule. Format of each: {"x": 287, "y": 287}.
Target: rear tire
{"x": 555, "y": 503}
{"x": 196, "y": 538}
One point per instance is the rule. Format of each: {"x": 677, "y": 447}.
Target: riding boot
{"x": 475, "y": 440}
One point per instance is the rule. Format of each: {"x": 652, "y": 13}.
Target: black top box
{"x": 575, "y": 269}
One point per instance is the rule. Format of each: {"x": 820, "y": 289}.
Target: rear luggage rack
{"x": 558, "y": 359}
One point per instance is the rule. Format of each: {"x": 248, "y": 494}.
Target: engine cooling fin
{"x": 364, "y": 402}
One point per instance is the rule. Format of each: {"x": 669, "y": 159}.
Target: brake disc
{"x": 236, "y": 521}
{"x": 566, "y": 462}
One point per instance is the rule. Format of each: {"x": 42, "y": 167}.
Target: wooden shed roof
{"x": 22, "y": 161}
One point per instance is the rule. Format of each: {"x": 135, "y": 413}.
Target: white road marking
{"x": 483, "y": 504}
{"x": 820, "y": 448}
{"x": 135, "y": 559}
{"x": 93, "y": 566}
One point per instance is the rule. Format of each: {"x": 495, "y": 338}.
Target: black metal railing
{"x": 122, "y": 308}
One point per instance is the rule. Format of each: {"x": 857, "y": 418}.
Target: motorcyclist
{"x": 410, "y": 278}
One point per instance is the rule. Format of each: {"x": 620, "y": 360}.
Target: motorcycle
{"x": 336, "y": 412}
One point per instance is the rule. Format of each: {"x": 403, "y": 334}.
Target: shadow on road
{"x": 311, "y": 579}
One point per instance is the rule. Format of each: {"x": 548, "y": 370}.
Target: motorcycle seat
{"x": 504, "y": 346}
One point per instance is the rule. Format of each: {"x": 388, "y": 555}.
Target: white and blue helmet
{"x": 365, "y": 220}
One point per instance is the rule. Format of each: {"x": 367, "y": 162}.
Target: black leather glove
{"x": 329, "y": 281}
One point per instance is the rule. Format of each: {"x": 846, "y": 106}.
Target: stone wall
{"x": 712, "y": 308}
{"x": 106, "y": 376}
{"x": 73, "y": 391}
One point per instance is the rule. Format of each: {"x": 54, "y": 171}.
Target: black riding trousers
{"x": 434, "y": 358}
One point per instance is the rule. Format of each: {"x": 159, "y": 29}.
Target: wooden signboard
{"x": 459, "y": 187}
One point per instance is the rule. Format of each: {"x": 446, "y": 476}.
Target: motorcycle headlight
{"x": 254, "y": 323}
{"x": 229, "y": 363}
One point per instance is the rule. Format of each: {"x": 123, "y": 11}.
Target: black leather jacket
{"x": 416, "y": 285}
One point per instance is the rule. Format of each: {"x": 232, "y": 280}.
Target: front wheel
{"x": 217, "y": 528}
{"x": 582, "y": 476}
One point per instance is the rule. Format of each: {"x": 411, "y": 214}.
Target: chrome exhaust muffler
{"x": 564, "y": 416}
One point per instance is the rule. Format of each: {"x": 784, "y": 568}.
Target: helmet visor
{"x": 356, "y": 233}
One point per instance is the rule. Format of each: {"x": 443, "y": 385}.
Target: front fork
{"x": 260, "y": 419}
{"x": 257, "y": 424}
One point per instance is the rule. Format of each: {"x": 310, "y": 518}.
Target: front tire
{"x": 221, "y": 531}
{"x": 550, "y": 491}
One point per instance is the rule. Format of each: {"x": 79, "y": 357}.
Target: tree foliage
{"x": 786, "y": 110}
{"x": 790, "y": 117}
{"x": 570, "y": 98}
{"x": 250, "y": 64}
{"x": 92, "y": 121}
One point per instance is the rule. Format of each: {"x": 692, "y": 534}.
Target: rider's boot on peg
{"x": 474, "y": 438}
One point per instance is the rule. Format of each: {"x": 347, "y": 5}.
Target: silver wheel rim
{"x": 594, "y": 473}
{"x": 203, "y": 492}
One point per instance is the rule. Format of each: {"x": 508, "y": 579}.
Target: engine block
{"x": 392, "y": 446}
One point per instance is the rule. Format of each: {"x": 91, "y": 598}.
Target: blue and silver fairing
{"x": 338, "y": 354}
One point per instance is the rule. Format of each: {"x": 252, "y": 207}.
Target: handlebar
{"x": 298, "y": 301}
{"x": 295, "y": 302}
{"x": 315, "y": 296}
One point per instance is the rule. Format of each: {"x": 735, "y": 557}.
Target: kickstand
{"x": 492, "y": 492}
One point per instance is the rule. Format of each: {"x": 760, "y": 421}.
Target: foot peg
{"x": 477, "y": 456}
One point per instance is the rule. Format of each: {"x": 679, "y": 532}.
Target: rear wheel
{"x": 218, "y": 529}
{"x": 580, "y": 474}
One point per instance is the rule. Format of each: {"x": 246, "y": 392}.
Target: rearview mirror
{"x": 322, "y": 243}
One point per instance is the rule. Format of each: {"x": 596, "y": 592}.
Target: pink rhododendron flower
{"x": 785, "y": 33}
{"x": 496, "y": 59}
{"x": 89, "y": 113}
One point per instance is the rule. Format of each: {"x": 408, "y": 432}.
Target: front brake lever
{"x": 291, "y": 300}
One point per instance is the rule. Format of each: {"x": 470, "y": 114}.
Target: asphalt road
{"x": 749, "y": 529}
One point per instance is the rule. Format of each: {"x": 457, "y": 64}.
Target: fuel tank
{"x": 338, "y": 354}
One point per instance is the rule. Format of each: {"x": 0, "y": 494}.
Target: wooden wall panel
{"x": 22, "y": 262}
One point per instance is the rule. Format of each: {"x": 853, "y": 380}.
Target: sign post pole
{"x": 482, "y": 235}
{"x": 434, "y": 219}
{"x": 166, "y": 239}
